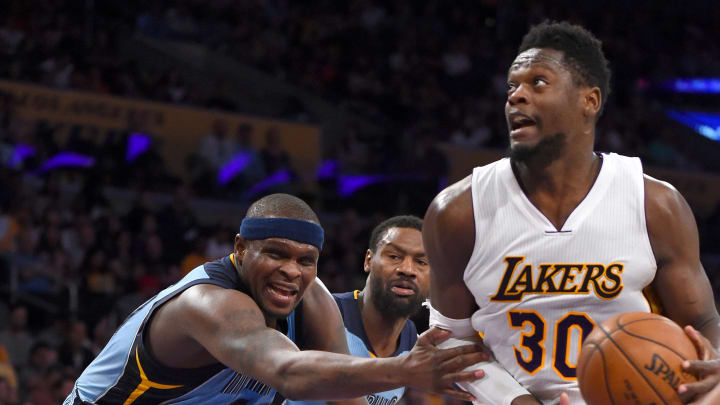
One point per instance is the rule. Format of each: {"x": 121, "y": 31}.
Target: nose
{"x": 291, "y": 270}
{"x": 519, "y": 95}
{"x": 407, "y": 267}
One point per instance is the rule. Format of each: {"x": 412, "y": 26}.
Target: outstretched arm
{"x": 449, "y": 240}
{"x": 231, "y": 327}
{"x": 680, "y": 283}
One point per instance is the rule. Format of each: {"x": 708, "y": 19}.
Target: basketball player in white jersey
{"x": 534, "y": 250}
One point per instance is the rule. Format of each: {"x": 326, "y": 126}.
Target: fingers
{"x": 462, "y": 376}
{"x": 448, "y": 381}
{"x": 463, "y": 361}
{"x": 433, "y": 336}
{"x": 455, "y": 393}
{"x": 691, "y": 390}
{"x": 461, "y": 350}
{"x": 702, "y": 345}
{"x": 564, "y": 399}
{"x": 702, "y": 367}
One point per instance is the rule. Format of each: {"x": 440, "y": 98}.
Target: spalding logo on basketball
{"x": 634, "y": 358}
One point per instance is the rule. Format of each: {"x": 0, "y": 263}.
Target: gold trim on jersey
{"x": 145, "y": 384}
{"x": 355, "y": 295}
{"x": 527, "y": 338}
{"x": 653, "y": 300}
{"x": 568, "y": 342}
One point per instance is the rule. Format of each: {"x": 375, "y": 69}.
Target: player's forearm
{"x": 315, "y": 375}
{"x": 711, "y": 330}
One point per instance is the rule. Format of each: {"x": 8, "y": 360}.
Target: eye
{"x": 510, "y": 87}
{"x": 538, "y": 81}
{"x": 393, "y": 256}
{"x": 421, "y": 262}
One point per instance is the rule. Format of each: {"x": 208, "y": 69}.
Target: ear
{"x": 368, "y": 257}
{"x": 592, "y": 101}
{"x": 239, "y": 248}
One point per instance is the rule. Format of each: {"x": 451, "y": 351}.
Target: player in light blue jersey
{"x": 225, "y": 332}
{"x": 376, "y": 319}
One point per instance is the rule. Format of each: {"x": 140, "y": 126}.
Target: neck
{"x": 570, "y": 172}
{"x": 382, "y": 330}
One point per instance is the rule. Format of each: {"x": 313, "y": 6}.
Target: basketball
{"x": 634, "y": 358}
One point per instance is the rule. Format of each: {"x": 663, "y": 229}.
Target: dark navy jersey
{"x": 360, "y": 346}
{"x": 126, "y": 372}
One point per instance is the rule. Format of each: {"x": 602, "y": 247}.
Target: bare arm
{"x": 681, "y": 283}
{"x": 449, "y": 240}
{"x": 231, "y": 327}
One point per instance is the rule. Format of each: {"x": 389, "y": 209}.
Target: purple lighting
{"x": 328, "y": 169}
{"x": 231, "y": 169}
{"x": 280, "y": 177}
{"x": 138, "y": 143}
{"x": 347, "y": 184}
{"x": 698, "y": 85}
{"x": 706, "y": 124}
{"x": 21, "y": 151}
{"x": 66, "y": 159}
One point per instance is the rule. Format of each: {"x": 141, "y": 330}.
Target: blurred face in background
{"x": 399, "y": 280}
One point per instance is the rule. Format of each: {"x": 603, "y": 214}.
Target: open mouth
{"x": 518, "y": 120}
{"x": 403, "y": 288}
{"x": 282, "y": 294}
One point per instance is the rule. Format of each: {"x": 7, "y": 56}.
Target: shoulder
{"x": 210, "y": 299}
{"x": 449, "y": 231}
{"x": 662, "y": 200}
{"x": 452, "y": 207}
{"x": 318, "y": 300}
{"x": 201, "y": 313}
{"x": 344, "y": 296}
{"x": 670, "y": 222}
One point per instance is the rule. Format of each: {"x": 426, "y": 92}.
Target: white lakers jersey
{"x": 541, "y": 290}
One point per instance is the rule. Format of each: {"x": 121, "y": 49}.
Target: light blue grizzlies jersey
{"x": 126, "y": 372}
{"x": 360, "y": 346}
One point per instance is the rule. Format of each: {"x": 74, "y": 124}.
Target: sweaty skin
{"x": 543, "y": 93}
{"x": 207, "y": 324}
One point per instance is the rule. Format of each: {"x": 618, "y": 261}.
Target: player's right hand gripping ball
{"x": 634, "y": 358}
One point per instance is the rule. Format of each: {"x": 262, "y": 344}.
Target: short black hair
{"x": 582, "y": 53}
{"x": 400, "y": 221}
{"x": 282, "y": 206}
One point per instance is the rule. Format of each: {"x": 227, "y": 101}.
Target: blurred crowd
{"x": 427, "y": 69}
{"x": 67, "y": 45}
{"x": 73, "y": 266}
{"x": 74, "y": 263}
{"x": 438, "y": 69}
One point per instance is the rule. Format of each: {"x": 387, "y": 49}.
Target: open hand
{"x": 437, "y": 370}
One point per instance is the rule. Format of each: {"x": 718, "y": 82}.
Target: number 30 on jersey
{"x": 530, "y": 354}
